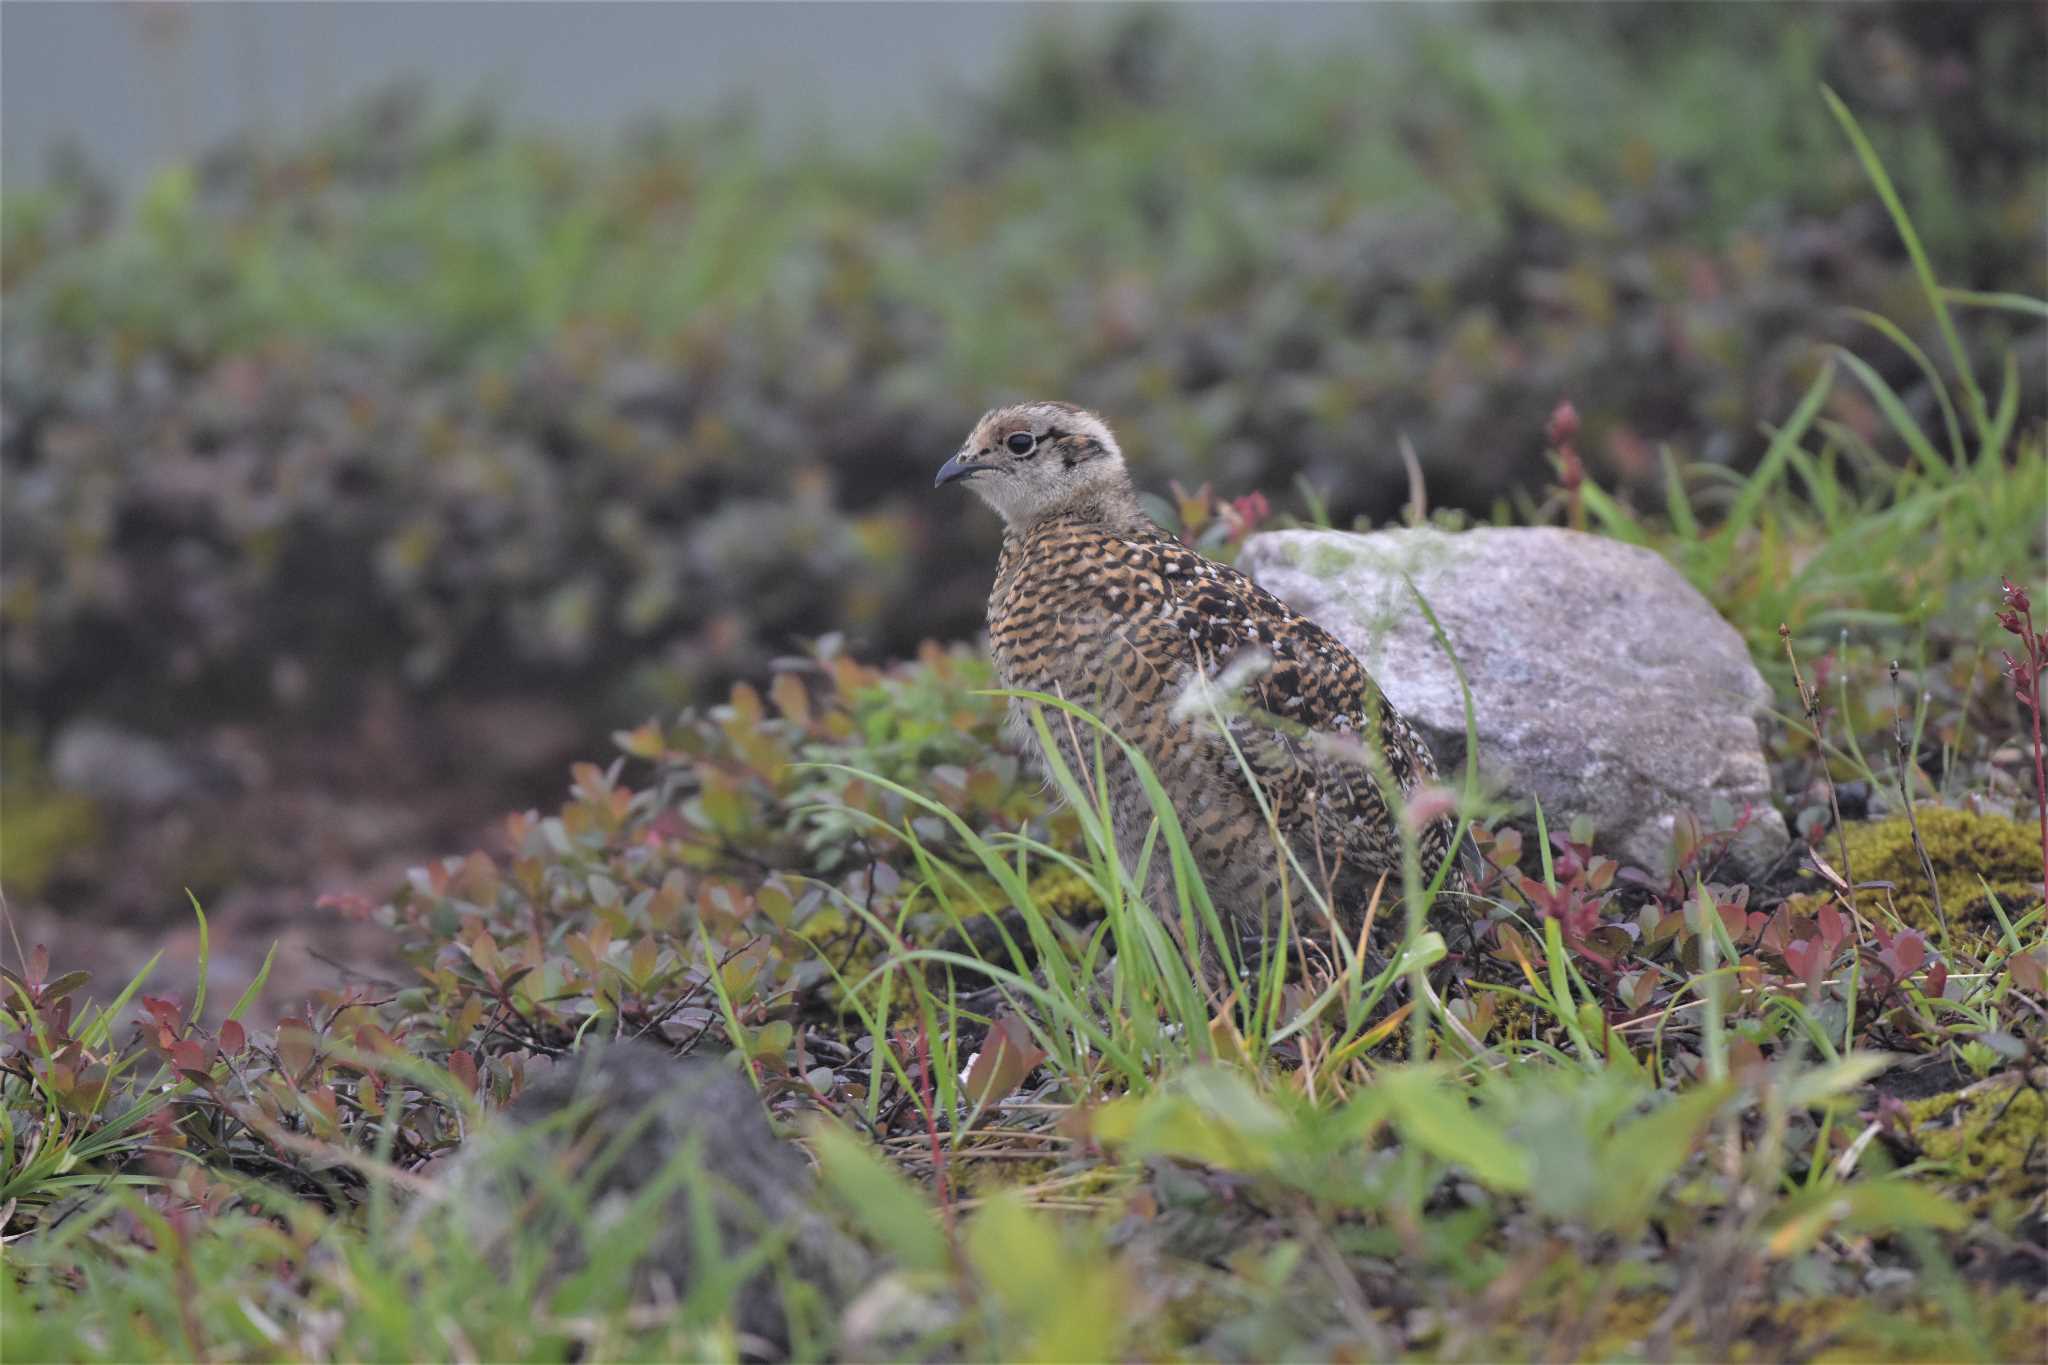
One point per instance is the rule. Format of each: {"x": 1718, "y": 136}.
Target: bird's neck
{"x": 1110, "y": 506}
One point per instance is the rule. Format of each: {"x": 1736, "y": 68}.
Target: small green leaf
{"x": 1434, "y": 1114}
{"x": 1826, "y": 1082}
{"x": 880, "y": 1199}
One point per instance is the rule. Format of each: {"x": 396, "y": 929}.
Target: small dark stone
{"x": 1855, "y": 799}
{"x": 615, "y": 1120}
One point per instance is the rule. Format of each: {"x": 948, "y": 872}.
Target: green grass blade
{"x": 1882, "y": 181}
{"x": 1742, "y": 516}
{"x": 1677, "y": 505}
{"x": 1898, "y": 338}
{"x": 2004, "y": 302}
{"x": 205, "y": 960}
{"x": 1894, "y": 410}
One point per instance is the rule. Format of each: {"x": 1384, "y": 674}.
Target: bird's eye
{"x": 1021, "y": 442}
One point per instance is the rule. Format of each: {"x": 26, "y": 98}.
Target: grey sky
{"x": 136, "y": 84}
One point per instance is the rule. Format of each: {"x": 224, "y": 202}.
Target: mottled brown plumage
{"x": 1095, "y": 603}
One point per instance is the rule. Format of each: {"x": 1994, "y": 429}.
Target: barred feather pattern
{"x": 1116, "y": 615}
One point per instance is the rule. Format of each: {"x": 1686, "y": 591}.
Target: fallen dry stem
{"x": 1906, "y": 791}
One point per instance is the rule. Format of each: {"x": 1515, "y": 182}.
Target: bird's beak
{"x": 959, "y": 467}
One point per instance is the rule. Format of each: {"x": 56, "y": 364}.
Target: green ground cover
{"x": 429, "y": 394}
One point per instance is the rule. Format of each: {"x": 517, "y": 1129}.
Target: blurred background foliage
{"x": 474, "y": 406}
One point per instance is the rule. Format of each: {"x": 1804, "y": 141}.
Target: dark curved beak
{"x": 959, "y": 467}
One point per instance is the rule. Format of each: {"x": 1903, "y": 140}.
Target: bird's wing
{"x": 1306, "y": 717}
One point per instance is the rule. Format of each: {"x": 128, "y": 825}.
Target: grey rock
{"x": 104, "y": 761}
{"x": 1602, "y": 683}
{"x": 619, "y": 1120}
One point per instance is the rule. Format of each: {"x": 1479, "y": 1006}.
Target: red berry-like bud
{"x": 2015, "y": 596}
{"x": 1564, "y": 423}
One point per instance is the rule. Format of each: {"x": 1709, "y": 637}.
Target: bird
{"x": 1255, "y": 719}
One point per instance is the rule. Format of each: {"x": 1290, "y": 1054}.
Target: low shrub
{"x": 432, "y": 396}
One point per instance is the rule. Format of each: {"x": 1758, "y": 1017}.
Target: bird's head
{"x": 1033, "y": 459}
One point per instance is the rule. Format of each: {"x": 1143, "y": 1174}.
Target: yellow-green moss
{"x": 40, "y": 823}
{"x": 1065, "y": 895}
{"x": 1499, "y": 1016}
{"x": 1963, "y": 847}
{"x": 1989, "y": 1137}
{"x": 1839, "y": 1328}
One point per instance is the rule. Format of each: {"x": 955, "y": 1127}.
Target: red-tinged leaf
{"x": 324, "y": 1103}
{"x": 1514, "y": 945}
{"x": 1007, "y": 1056}
{"x": 463, "y": 1067}
{"x": 233, "y": 1038}
{"x": 64, "y": 985}
{"x": 190, "y": 1058}
{"x": 578, "y": 947}
{"x": 38, "y": 969}
{"x": 1645, "y": 989}
{"x": 466, "y": 1022}
{"x": 771, "y": 1042}
{"x": 165, "y": 1012}
{"x": 477, "y": 881}
{"x": 1909, "y": 952}
{"x": 295, "y": 1046}
{"x": 372, "y": 1041}
{"x": 746, "y": 704}
{"x": 483, "y": 951}
{"x": 1832, "y": 928}
{"x": 1745, "y": 1055}
{"x": 1734, "y": 919}
{"x": 645, "y": 742}
{"x": 644, "y": 956}
{"x": 2029, "y": 973}
{"x": 1936, "y": 980}
{"x": 791, "y": 698}
{"x": 351, "y": 905}
{"x": 666, "y": 903}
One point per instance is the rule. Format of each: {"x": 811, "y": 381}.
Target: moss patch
{"x": 1839, "y": 1328}
{"x": 1065, "y": 895}
{"x": 1993, "y": 1140}
{"x": 1963, "y": 847}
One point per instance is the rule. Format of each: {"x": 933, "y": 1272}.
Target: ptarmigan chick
{"x": 1095, "y": 603}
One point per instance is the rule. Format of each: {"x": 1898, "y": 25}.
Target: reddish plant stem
{"x": 2036, "y": 657}
{"x": 2018, "y": 619}
{"x": 931, "y": 1122}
